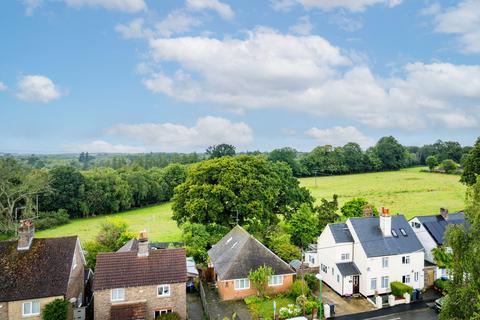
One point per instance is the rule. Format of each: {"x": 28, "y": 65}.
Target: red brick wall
{"x": 227, "y": 291}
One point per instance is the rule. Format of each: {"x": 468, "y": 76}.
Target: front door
{"x": 356, "y": 285}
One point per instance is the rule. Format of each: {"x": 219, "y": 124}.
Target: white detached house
{"x": 365, "y": 254}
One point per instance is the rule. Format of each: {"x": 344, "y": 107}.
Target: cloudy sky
{"x": 168, "y": 75}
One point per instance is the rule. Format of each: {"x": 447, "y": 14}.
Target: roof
{"x": 340, "y": 232}
{"x": 191, "y": 267}
{"x": 131, "y": 245}
{"x": 375, "y": 244}
{"x": 237, "y": 253}
{"x": 295, "y": 264}
{"x": 436, "y": 225}
{"x": 41, "y": 271}
{"x": 127, "y": 269}
{"x": 348, "y": 269}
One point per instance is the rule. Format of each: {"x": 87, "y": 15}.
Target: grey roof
{"x": 348, "y": 269}
{"x": 340, "y": 232}
{"x": 237, "y": 253}
{"x": 436, "y": 225}
{"x": 295, "y": 264}
{"x": 375, "y": 244}
{"x": 312, "y": 248}
{"x": 131, "y": 245}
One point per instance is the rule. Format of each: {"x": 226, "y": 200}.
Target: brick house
{"x": 34, "y": 272}
{"x": 140, "y": 283}
{"x": 238, "y": 253}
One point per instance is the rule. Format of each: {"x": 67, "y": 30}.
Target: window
{"x": 324, "y": 268}
{"x": 31, "y": 308}
{"x": 333, "y": 271}
{"x": 163, "y": 290}
{"x": 415, "y": 276}
{"x": 385, "y": 282}
{"x": 406, "y": 259}
{"x": 242, "y": 284}
{"x": 311, "y": 259}
{"x": 118, "y": 294}
{"x": 345, "y": 256}
{"x": 406, "y": 279}
{"x": 404, "y": 233}
{"x": 158, "y": 313}
{"x": 416, "y": 225}
{"x": 338, "y": 278}
{"x": 394, "y": 233}
{"x": 275, "y": 281}
{"x": 373, "y": 284}
{"x": 385, "y": 262}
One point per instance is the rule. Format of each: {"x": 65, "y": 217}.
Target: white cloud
{"x": 455, "y": 120}
{"x": 133, "y": 30}
{"x": 3, "y": 87}
{"x": 339, "y": 136}
{"x": 31, "y": 5}
{"x": 345, "y": 22}
{"x": 327, "y": 5}
{"x": 100, "y": 146}
{"x": 303, "y": 27}
{"x": 129, "y": 6}
{"x": 37, "y": 88}
{"x": 169, "y": 136}
{"x": 267, "y": 69}
{"x": 463, "y": 21}
{"x": 223, "y": 9}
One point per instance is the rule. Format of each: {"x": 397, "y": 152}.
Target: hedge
{"x": 399, "y": 289}
{"x": 441, "y": 284}
{"x": 56, "y": 310}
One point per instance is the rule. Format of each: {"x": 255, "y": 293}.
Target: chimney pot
{"x": 385, "y": 221}
{"x": 143, "y": 244}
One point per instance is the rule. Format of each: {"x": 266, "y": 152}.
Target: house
{"x": 311, "y": 256}
{"x": 430, "y": 230}
{"x": 238, "y": 253}
{"x": 34, "y": 272}
{"x": 140, "y": 283}
{"x": 363, "y": 255}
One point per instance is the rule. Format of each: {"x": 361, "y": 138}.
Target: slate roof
{"x": 348, "y": 269}
{"x": 237, "y": 253}
{"x": 375, "y": 244}
{"x": 340, "y": 232}
{"x": 436, "y": 225}
{"x": 42, "y": 271}
{"x": 126, "y": 269}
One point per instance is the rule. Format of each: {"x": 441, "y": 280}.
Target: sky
{"x": 178, "y": 76}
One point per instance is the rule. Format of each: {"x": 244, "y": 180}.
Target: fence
{"x": 204, "y": 299}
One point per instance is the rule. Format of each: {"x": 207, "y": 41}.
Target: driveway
{"x": 344, "y": 306}
{"x": 194, "y": 307}
{"x": 219, "y": 310}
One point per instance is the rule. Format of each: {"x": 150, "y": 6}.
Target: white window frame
{"x": 115, "y": 297}
{"x": 406, "y": 260}
{"x": 372, "y": 282}
{"x": 415, "y": 276}
{"x": 385, "y": 262}
{"x": 385, "y": 282}
{"x": 30, "y": 313}
{"x": 345, "y": 256}
{"x": 245, "y": 284}
{"x": 162, "y": 287}
{"x": 406, "y": 279}
{"x": 273, "y": 280}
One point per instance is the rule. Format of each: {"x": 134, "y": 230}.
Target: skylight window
{"x": 394, "y": 233}
{"x": 229, "y": 239}
{"x": 403, "y": 232}
{"x": 234, "y": 244}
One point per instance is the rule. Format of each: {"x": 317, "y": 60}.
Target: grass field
{"x": 157, "y": 220}
{"x": 407, "y": 191}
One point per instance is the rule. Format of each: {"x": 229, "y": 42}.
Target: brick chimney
{"x": 386, "y": 222}
{"x": 444, "y": 213}
{"x": 143, "y": 244}
{"x": 367, "y": 211}
{"x": 26, "y": 232}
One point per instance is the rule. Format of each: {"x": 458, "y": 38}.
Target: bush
{"x": 290, "y": 311}
{"x": 296, "y": 289}
{"x": 48, "y": 220}
{"x": 169, "y": 316}
{"x": 56, "y": 310}
{"x": 311, "y": 281}
{"x": 310, "y": 305}
{"x": 399, "y": 289}
{"x": 448, "y": 165}
{"x": 441, "y": 284}
{"x": 252, "y": 300}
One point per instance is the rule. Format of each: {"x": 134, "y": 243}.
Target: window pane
{"x": 36, "y": 307}
{"x": 26, "y": 308}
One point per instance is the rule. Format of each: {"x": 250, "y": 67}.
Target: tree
{"x": 391, "y": 153}
{"x": 357, "y": 208}
{"x": 442, "y": 257}
{"x": 300, "y": 226}
{"x": 471, "y": 165}
{"x": 278, "y": 240}
{"x": 448, "y": 165}
{"x": 220, "y": 150}
{"x": 326, "y": 213}
{"x": 56, "y": 310}
{"x": 259, "y": 279}
{"x": 431, "y": 162}
{"x": 287, "y": 155}
{"x": 196, "y": 239}
{"x": 463, "y": 299}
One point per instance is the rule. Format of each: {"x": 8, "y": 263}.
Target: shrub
{"x": 311, "y": 281}
{"x": 48, "y": 220}
{"x": 448, "y": 165}
{"x": 296, "y": 289}
{"x": 56, "y": 310}
{"x": 290, "y": 311}
{"x": 169, "y": 316}
{"x": 259, "y": 279}
{"x": 441, "y": 284}
{"x": 399, "y": 289}
{"x": 310, "y": 305}
{"x": 252, "y": 300}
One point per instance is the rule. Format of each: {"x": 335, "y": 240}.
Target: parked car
{"x": 439, "y": 303}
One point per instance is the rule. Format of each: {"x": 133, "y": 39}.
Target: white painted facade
{"x": 311, "y": 257}
{"x": 425, "y": 238}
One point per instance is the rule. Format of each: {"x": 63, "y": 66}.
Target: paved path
{"x": 218, "y": 309}
{"x": 194, "y": 306}
{"x": 417, "y": 310}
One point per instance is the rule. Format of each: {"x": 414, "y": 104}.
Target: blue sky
{"x": 143, "y": 75}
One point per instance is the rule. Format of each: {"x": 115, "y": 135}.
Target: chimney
{"x": 386, "y": 222}
{"x": 444, "y": 213}
{"x": 26, "y": 232}
{"x": 143, "y": 244}
{"x": 367, "y": 210}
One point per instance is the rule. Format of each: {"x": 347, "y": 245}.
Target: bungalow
{"x": 34, "y": 272}
{"x": 139, "y": 283}
{"x": 363, "y": 255}
{"x": 238, "y": 253}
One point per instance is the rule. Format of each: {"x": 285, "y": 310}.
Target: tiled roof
{"x": 436, "y": 225}
{"x": 126, "y": 269}
{"x": 348, "y": 269}
{"x": 238, "y": 253}
{"x": 340, "y": 232}
{"x": 41, "y": 271}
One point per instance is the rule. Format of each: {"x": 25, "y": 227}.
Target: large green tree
{"x": 220, "y": 150}
{"x": 301, "y": 226}
{"x": 391, "y": 153}
{"x": 471, "y": 165}
{"x": 287, "y": 155}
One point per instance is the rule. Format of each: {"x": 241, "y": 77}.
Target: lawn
{"x": 157, "y": 220}
{"x": 264, "y": 309}
{"x": 407, "y": 191}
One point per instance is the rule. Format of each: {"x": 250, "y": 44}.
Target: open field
{"x": 157, "y": 220}
{"x": 407, "y": 191}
